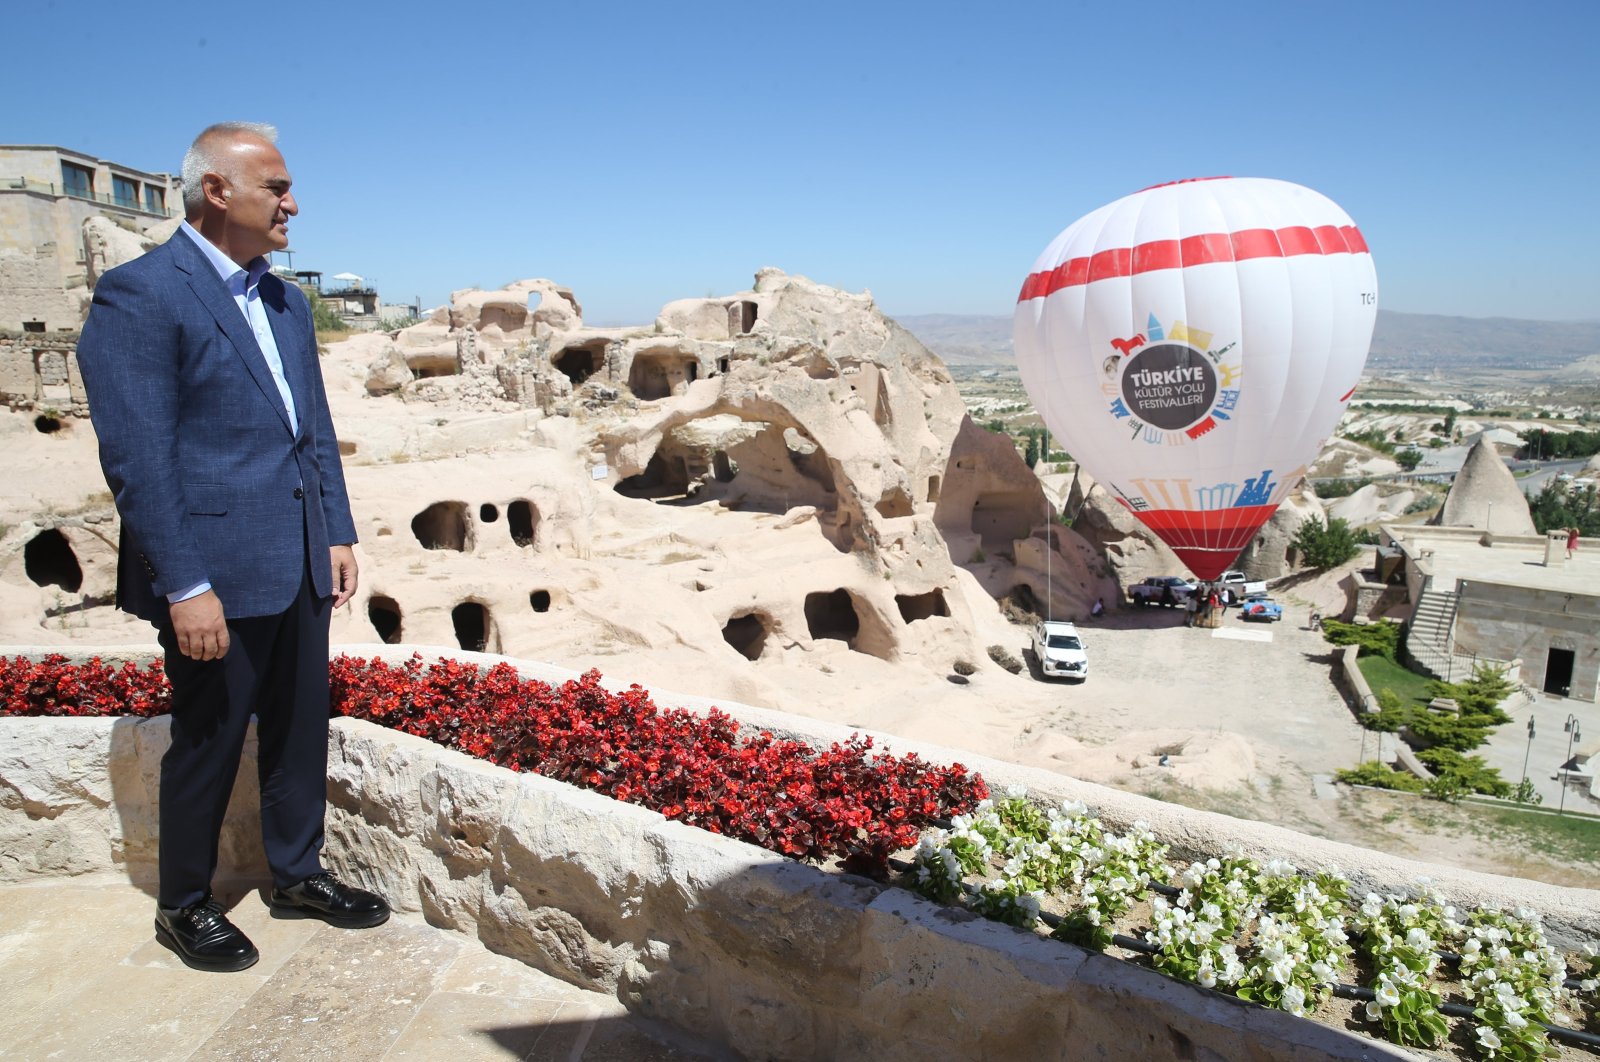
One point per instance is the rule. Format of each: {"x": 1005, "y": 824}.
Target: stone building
{"x": 48, "y": 255}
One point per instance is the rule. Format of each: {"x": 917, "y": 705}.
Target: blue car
{"x": 1261, "y": 610}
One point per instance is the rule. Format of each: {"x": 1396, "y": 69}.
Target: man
{"x": 215, "y": 438}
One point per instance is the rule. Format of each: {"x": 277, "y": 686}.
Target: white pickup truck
{"x": 1168, "y": 590}
{"x": 1234, "y": 587}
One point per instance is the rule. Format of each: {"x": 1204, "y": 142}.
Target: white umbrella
{"x": 348, "y": 277}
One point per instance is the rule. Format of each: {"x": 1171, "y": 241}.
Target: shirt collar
{"x": 226, "y": 267}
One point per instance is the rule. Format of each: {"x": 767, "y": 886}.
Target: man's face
{"x": 258, "y": 199}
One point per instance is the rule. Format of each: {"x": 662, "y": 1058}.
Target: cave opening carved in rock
{"x": 895, "y": 502}
{"x": 474, "y": 627}
{"x": 780, "y": 468}
{"x": 838, "y": 615}
{"x": 522, "y": 519}
{"x": 1024, "y": 599}
{"x": 488, "y": 513}
{"x": 539, "y": 600}
{"x": 580, "y": 361}
{"x": 747, "y": 634}
{"x": 665, "y": 476}
{"x": 384, "y": 613}
{"x": 49, "y": 560}
{"x": 915, "y": 607}
{"x": 657, "y": 374}
{"x": 428, "y": 366}
{"x": 999, "y": 518}
{"x": 741, "y": 317}
{"x": 443, "y": 525}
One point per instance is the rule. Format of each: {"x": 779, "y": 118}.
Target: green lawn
{"x": 1381, "y": 673}
{"x": 1566, "y": 838}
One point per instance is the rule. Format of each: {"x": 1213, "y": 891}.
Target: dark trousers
{"x": 276, "y": 668}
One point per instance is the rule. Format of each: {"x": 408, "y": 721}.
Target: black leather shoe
{"x": 324, "y": 896}
{"x": 204, "y": 938}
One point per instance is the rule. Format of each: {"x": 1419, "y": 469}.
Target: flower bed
{"x": 1267, "y": 932}
{"x": 841, "y": 802}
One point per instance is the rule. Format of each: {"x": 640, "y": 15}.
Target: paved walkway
{"x": 84, "y": 977}
{"x": 1508, "y": 746}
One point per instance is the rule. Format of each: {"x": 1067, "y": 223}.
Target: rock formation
{"x": 1485, "y": 495}
{"x": 752, "y": 494}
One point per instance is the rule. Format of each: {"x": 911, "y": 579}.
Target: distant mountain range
{"x": 1417, "y": 341}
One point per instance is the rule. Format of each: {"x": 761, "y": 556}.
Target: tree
{"x": 1450, "y": 424}
{"x": 1323, "y": 546}
{"x": 1031, "y": 453}
{"x": 1558, "y": 505}
{"x": 1409, "y": 458}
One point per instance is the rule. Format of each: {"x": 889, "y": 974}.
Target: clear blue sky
{"x": 644, "y": 152}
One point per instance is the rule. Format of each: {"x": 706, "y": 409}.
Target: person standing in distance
{"x": 215, "y": 439}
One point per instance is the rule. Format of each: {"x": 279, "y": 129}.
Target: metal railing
{"x": 23, "y": 184}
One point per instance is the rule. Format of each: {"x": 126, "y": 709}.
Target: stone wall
{"x": 1503, "y": 622}
{"x": 39, "y": 370}
{"x": 773, "y": 958}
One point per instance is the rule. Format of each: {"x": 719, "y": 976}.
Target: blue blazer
{"x": 209, "y": 479}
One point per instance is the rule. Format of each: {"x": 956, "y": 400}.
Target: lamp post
{"x": 1573, "y": 734}
{"x": 1525, "y": 755}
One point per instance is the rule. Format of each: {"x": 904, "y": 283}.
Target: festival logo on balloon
{"x": 1136, "y": 325}
{"x": 1169, "y": 386}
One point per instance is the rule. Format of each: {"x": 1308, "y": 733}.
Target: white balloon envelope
{"x": 1194, "y": 344}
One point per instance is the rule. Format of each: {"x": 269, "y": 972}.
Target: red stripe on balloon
{"x": 1192, "y": 251}
{"x": 1207, "y": 540}
{"x": 1346, "y": 396}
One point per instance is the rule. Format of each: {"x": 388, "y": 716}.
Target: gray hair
{"x": 203, "y": 156}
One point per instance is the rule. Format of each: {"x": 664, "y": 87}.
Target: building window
{"x": 77, "y": 180}
{"x": 125, "y": 192}
{"x": 155, "y": 199}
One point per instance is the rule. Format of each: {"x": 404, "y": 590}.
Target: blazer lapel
{"x": 291, "y": 348}
{"x": 213, "y": 295}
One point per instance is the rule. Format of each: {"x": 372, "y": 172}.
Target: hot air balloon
{"x": 1194, "y": 344}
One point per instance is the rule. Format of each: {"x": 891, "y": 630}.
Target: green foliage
{"x": 1450, "y": 423}
{"x": 1408, "y": 459}
{"x": 1340, "y": 488}
{"x": 996, "y": 425}
{"x": 323, "y": 316}
{"x": 1324, "y": 546}
{"x": 1553, "y": 446}
{"x": 1559, "y": 505}
{"x": 1030, "y": 453}
{"x": 1374, "y": 439}
{"x": 1379, "y": 776}
{"x": 1479, "y": 695}
{"x": 1381, "y": 638}
{"x": 1470, "y": 774}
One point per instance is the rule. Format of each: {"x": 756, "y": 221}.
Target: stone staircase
{"x": 1430, "y": 635}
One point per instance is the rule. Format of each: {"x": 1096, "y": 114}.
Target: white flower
{"x": 1294, "y": 1000}
{"x": 1417, "y": 940}
{"x": 1207, "y": 977}
{"x": 1488, "y": 1038}
{"x": 1374, "y": 1011}
{"x": 1589, "y": 984}
{"x": 1387, "y": 994}
{"x": 1016, "y": 792}
{"x": 1372, "y": 906}
{"x": 1514, "y": 1019}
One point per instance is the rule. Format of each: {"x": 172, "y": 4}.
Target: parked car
{"x": 1059, "y": 650}
{"x": 1260, "y": 610}
{"x": 1235, "y": 588}
{"x": 1166, "y": 590}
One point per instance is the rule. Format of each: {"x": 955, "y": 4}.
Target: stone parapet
{"x": 774, "y": 958}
